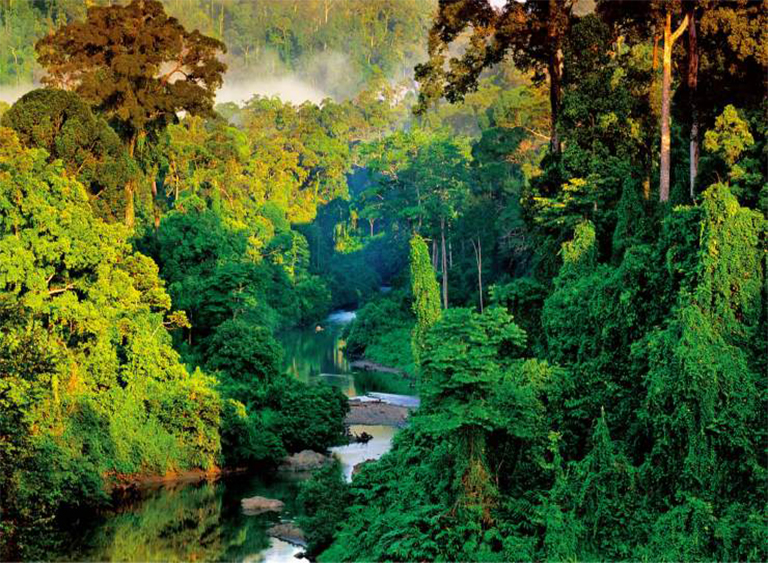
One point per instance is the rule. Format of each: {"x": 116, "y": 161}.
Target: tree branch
{"x": 536, "y": 133}
{"x": 56, "y": 290}
{"x": 681, "y": 29}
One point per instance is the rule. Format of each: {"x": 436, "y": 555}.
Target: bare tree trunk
{"x": 480, "y": 271}
{"x": 445, "y": 264}
{"x": 130, "y": 214}
{"x": 555, "y": 69}
{"x": 155, "y": 206}
{"x": 478, "y": 248}
{"x": 666, "y": 88}
{"x": 693, "y": 82}
{"x": 434, "y": 254}
{"x": 651, "y": 92}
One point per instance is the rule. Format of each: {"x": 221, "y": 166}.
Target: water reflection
{"x": 354, "y": 454}
{"x": 202, "y": 522}
{"x": 279, "y": 552}
{"x": 310, "y": 352}
{"x": 317, "y": 356}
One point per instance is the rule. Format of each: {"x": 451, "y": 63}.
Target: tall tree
{"x": 135, "y": 65}
{"x": 693, "y": 85}
{"x": 666, "y": 94}
{"x": 725, "y": 41}
{"x": 533, "y": 32}
{"x": 426, "y": 296}
{"x": 62, "y": 124}
{"x": 440, "y": 173}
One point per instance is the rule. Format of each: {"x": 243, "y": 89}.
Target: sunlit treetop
{"x": 134, "y": 64}
{"x": 62, "y": 124}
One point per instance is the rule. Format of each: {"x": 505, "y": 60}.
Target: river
{"x": 203, "y": 521}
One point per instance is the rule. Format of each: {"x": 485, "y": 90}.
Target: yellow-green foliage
{"x": 90, "y": 385}
{"x": 730, "y": 136}
{"x": 580, "y": 254}
{"x": 62, "y": 124}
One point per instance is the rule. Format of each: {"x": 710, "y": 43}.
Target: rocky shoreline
{"x": 376, "y": 412}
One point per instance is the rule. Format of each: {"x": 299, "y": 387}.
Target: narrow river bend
{"x": 203, "y": 521}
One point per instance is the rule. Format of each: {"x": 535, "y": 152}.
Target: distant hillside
{"x": 328, "y": 47}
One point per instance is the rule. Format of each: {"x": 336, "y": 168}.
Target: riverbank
{"x": 363, "y": 410}
{"x": 368, "y": 365}
{"x": 123, "y": 483}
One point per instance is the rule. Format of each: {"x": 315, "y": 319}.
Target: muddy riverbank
{"x": 376, "y": 412}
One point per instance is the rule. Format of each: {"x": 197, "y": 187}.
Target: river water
{"x": 203, "y": 521}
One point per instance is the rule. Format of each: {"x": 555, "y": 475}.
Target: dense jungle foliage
{"x": 335, "y": 46}
{"x": 595, "y": 385}
{"x": 561, "y": 235}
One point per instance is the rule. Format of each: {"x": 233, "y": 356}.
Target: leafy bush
{"x": 324, "y": 499}
{"x": 304, "y": 416}
{"x": 377, "y": 320}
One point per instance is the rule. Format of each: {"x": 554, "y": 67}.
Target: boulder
{"x": 306, "y": 460}
{"x": 259, "y": 505}
{"x": 290, "y": 532}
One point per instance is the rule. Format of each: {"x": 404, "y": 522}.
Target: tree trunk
{"x": 221, "y": 23}
{"x": 445, "y": 264}
{"x": 155, "y": 206}
{"x": 434, "y": 255}
{"x": 370, "y": 222}
{"x": 130, "y": 214}
{"x": 693, "y": 82}
{"x": 666, "y": 88}
{"x": 555, "y": 69}
{"x": 651, "y": 93}
{"x": 478, "y": 248}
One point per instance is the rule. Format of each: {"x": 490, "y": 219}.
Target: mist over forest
{"x": 301, "y": 50}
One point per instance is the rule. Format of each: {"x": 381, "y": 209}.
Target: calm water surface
{"x": 316, "y": 355}
{"x": 203, "y": 521}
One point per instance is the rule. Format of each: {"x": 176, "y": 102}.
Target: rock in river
{"x": 288, "y": 531}
{"x": 259, "y": 505}
{"x": 306, "y": 460}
